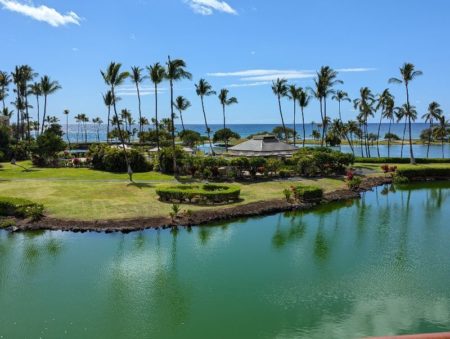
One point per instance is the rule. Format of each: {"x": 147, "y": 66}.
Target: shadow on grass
{"x": 140, "y": 185}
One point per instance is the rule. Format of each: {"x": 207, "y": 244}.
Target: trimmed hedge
{"x": 308, "y": 193}
{"x": 21, "y": 208}
{"x": 207, "y": 193}
{"x": 396, "y": 160}
{"x": 412, "y": 172}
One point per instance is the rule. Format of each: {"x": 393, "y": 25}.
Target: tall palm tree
{"x": 66, "y": 113}
{"x": 157, "y": 75}
{"x": 400, "y": 114}
{"x": 28, "y": 75}
{"x": 175, "y": 72}
{"x": 364, "y": 104}
{"x": 35, "y": 89}
{"x": 78, "y": 120}
{"x": 293, "y": 94}
{"x": 108, "y": 100}
{"x": 226, "y": 101}
{"x": 441, "y": 132}
{"x": 408, "y": 73}
{"x": 98, "y": 121}
{"x": 303, "y": 101}
{"x": 113, "y": 77}
{"x": 48, "y": 87}
{"x": 137, "y": 77}
{"x": 434, "y": 113}
{"x": 5, "y": 80}
{"x": 126, "y": 116}
{"x": 203, "y": 88}
{"x": 182, "y": 104}
{"x": 84, "y": 119}
{"x": 389, "y": 113}
{"x": 340, "y": 96}
{"x": 383, "y": 101}
{"x": 280, "y": 89}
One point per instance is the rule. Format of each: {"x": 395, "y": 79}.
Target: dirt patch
{"x": 197, "y": 218}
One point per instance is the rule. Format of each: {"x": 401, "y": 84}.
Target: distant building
{"x": 262, "y": 146}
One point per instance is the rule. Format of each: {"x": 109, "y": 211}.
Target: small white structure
{"x": 262, "y": 146}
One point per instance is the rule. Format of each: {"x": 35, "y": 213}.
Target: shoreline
{"x": 198, "y": 218}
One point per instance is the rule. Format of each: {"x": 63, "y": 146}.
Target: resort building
{"x": 262, "y": 146}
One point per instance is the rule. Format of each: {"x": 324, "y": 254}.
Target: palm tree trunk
{"x": 45, "y": 113}
{"x": 295, "y": 129}
{"x": 107, "y": 126}
{"x": 304, "y": 129}
{"x": 182, "y": 122}
{"x": 173, "y": 129}
{"x": 403, "y": 139}
{"x": 85, "y": 133}
{"x": 139, "y": 105}
{"x": 208, "y": 131}
{"x": 129, "y": 170}
{"x": 98, "y": 133}
{"x": 224, "y": 126}
{"x": 389, "y": 139}
{"x": 413, "y": 160}
{"x": 323, "y": 123}
{"x": 429, "y": 137}
{"x": 67, "y": 129}
{"x": 378, "y": 135}
{"x": 339, "y": 103}
{"x": 442, "y": 147}
{"x": 282, "y": 119}
{"x": 38, "y": 114}
{"x": 156, "y": 117}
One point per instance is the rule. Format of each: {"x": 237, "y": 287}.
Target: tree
{"x": 84, "y": 119}
{"x": 5, "y": 80}
{"x": 182, "y": 104}
{"x": 137, "y": 77}
{"x": 303, "y": 101}
{"x": 190, "y": 138}
{"x": 98, "y": 121}
{"x": 157, "y": 75}
{"x": 225, "y": 135}
{"x": 225, "y": 101}
{"x": 434, "y": 113}
{"x": 113, "y": 77}
{"x": 280, "y": 89}
{"x": 365, "y": 106}
{"x": 66, "y": 113}
{"x": 35, "y": 89}
{"x": 340, "y": 96}
{"x": 408, "y": 73}
{"x": 203, "y": 88}
{"x": 48, "y": 87}
{"x": 384, "y": 101}
{"x": 400, "y": 114}
{"x": 294, "y": 94}
{"x": 175, "y": 72}
{"x": 441, "y": 132}
{"x": 389, "y": 113}
{"x": 108, "y": 100}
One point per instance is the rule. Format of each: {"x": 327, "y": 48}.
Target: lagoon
{"x": 374, "y": 266}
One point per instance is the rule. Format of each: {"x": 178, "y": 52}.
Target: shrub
{"x": 418, "y": 172}
{"x": 7, "y": 223}
{"x": 287, "y": 194}
{"x": 321, "y": 161}
{"x": 400, "y": 179}
{"x": 395, "y": 160}
{"x": 22, "y": 208}
{"x": 307, "y": 193}
{"x": 110, "y": 159}
{"x": 354, "y": 183}
{"x": 200, "y": 193}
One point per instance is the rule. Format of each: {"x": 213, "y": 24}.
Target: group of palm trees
{"x": 173, "y": 71}
{"x": 367, "y": 104}
{"x": 24, "y": 88}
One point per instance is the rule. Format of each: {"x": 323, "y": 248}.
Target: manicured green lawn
{"x": 377, "y": 167}
{"x": 8, "y": 171}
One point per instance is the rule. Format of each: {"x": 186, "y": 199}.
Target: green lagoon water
{"x": 376, "y": 266}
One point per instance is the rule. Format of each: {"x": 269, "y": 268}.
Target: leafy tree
{"x": 137, "y": 78}
{"x": 340, "y": 96}
{"x": 182, "y": 104}
{"x": 225, "y": 135}
{"x": 280, "y": 131}
{"x": 190, "y": 138}
{"x": 48, "y": 87}
{"x": 280, "y": 89}
{"x": 434, "y": 113}
{"x": 157, "y": 75}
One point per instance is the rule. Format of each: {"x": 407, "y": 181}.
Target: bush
{"x": 21, "y": 208}
{"x": 401, "y": 160}
{"x": 418, "y": 172}
{"x": 321, "y": 161}
{"x": 110, "y": 159}
{"x": 47, "y": 147}
{"x": 354, "y": 183}
{"x": 307, "y": 193}
{"x": 207, "y": 193}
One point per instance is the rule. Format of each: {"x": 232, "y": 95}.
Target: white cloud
{"x": 42, "y": 13}
{"x": 75, "y": 49}
{"x": 251, "y": 84}
{"x": 207, "y": 7}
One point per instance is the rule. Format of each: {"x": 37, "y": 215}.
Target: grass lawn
{"x": 84, "y": 200}
{"x": 377, "y": 167}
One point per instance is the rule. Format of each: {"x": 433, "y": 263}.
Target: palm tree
{"x": 47, "y": 87}
{"x": 408, "y": 73}
{"x": 441, "y": 132}
{"x": 175, "y": 72}
{"x": 28, "y": 75}
{"x": 84, "y": 119}
{"x": 203, "y": 88}
{"x": 340, "y": 96}
{"x": 365, "y": 106}
{"x": 35, "y": 89}
{"x": 182, "y": 104}
{"x": 400, "y": 114}
{"x": 137, "y": 78}
{"x": 389, "y": 113}
{"x": 113, "y": 77}
{"x": 293, "y": 94}
{"x": 98, "y": 121}
{"x": 383, "y": 101}
{"x": 280, "y": 89}
{"x": 434, "y": 113}
{"x": 157, "y": 75}
{"x": 78, "y": 119}
{"x": 66, "y": 113}
{"x": 303, "y": 100}
{"x": 108, "y": 100}
{"x": 225, "y": 101}
{"x": 5, "y": 80}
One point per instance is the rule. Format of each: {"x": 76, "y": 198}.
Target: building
{"x": 262, "y": 146}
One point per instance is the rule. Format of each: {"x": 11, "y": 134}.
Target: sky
{"x": 241, "y": 45}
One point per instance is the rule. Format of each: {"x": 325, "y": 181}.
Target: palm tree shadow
{"x": 140, "y": 185}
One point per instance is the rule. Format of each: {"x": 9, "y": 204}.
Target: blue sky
{"x": 246, "y": 42}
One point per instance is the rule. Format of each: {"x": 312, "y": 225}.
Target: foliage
{"x": 307, "y": 193}
{"x": 21, "y": 150}
{"x": 5, "y": 140}
{"x": 420, "y": 173}
{"x": 190, "y": 138}
{"x": 200, "y": 194}
{"x": 48, "y": 145}
{"x": 279, "y": 132}
{"x": 22, "y": 208}
{"x": 225, "y": 135}
{"x": 321, "y": 161}
{"x": 354, "y": 182}
{"x": 106, "y": 158}
{"x": 287, "y": 194}
{"x": 391, "y": 136}
{"x": 166, "y": 156}
{"x": 401, "y": 160}
{"x": 152, "y": 137}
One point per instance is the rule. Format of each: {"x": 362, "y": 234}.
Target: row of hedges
{"x": 307, "y": 193}
{"x": 20, "y": 208}
{"x": 417, "y": 172}
{"x": 396, "y": 160}
{"x": 201, "y": 194}
{"x": 106, "y": 158}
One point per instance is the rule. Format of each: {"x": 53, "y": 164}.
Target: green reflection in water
{"x": 374, "y": 266}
